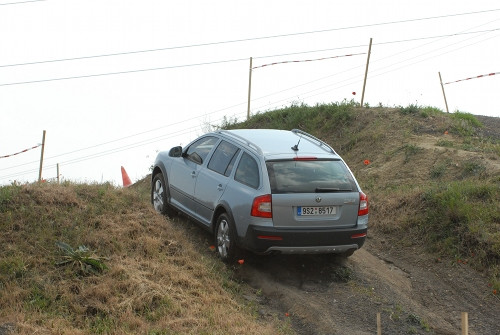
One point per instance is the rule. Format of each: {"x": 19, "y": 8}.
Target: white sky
{"x": 96, "y": 124}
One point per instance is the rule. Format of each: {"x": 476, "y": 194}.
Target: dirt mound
{"x": 163, "y": 277}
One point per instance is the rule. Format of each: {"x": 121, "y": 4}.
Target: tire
{"x": 225, "y": 239}
{"x": 159, "y": 195}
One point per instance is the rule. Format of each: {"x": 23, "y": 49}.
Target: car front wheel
{"x": 159, "y": 195}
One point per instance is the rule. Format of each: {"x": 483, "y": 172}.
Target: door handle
{"x": 193, "y": 174}
{"x": 219, "y": 187}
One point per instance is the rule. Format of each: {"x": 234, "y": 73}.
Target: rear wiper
{"x": 330, "y": 189}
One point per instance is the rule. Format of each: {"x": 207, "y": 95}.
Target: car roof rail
{"x": 311, "y": 137}
{"x": 242, "y": 139}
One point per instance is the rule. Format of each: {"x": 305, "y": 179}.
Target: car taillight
{"x": 262, "y": 206}
{"x": 363, "y": 204}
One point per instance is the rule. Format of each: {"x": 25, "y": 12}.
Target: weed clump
{"x": 81, "y": 258}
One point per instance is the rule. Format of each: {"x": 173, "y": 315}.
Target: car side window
{"x": 200, "y": 149}
{"x": 247, "y": 171}
{"x": 222, "y": 160}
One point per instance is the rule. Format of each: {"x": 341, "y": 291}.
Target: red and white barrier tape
{"x": 306, "y": 60}
{"x": 481, "y": 76}
{"x": 20, "y": 152}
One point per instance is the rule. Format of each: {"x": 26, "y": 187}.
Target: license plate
{"x": 316, "y": 210}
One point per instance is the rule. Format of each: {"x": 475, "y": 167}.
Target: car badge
{"x": 318, "y": 199}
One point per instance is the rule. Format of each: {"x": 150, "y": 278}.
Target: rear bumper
{"x": 298, "y": 241}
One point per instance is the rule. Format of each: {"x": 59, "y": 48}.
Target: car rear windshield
{"x": 309, "y": 176}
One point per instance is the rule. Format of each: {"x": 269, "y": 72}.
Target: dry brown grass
{"x": 157, "y": 282}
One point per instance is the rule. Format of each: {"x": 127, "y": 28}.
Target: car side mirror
{"x": 175, "y": 152}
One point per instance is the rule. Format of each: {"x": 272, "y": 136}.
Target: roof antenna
{"x": 296, "y": 146}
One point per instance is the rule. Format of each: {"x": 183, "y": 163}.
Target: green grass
{"x": 461, "y": 219}
{"x": 410, "y": 150}
{"x": 38, "y": 300}
{"x": 11, "y": 268}
{"x": 410, "y": 109}
{"x": 468, "y": 118}
{"x": 430, "y": 111}
{"x": 301, "y": 116}
{"x": 465, "y": 124}
{"x": 473, "y": 167}
{"x": 422, "y": 111}
{"x": 444, "y": 143}
{"x": 438, "y": 171}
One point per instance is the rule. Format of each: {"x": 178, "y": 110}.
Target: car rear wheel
{"x": 225, "y": 238}
{"x": 159, "y": 195}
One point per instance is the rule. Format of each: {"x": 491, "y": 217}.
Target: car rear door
{"x": 310, "y": 193}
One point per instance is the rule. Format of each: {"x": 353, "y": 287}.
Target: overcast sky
{"x": 114, "y": 82}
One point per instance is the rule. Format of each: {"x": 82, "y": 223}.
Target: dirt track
{"x": 325, "y": 295}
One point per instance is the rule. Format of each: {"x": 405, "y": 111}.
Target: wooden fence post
{"x": 444, "y": 95}
{"x": 465, "y": 323}
{"x": 41, "y": 158}
{"x": 249, "y": 89}
{"x": 366, "y": 72}
{"x": 379, "y": 324}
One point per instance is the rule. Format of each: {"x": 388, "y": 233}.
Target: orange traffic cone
{"x": 125, "y": 178}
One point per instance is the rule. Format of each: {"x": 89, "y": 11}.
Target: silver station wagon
{"x": 264, "y": 190}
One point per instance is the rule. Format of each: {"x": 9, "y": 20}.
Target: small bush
{"x": 444, "y": 143}
{"x": 467, "y": 117}
{"x": 428, "y": 111}
{"x": 11, "y": 268}
{"x": 438, "y": 171}
{"x": 410, "y": 150}
{"x": 6, "y": 194}
{"x": 342, "y": 274}
{"x": 473, "y": 168}
{"x": 38, "y": 299}
{"x": 466, "y": 124}
{"x": 412, "y": 109}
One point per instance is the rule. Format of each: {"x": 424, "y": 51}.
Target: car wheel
{"x": 159, "y": 195}
{"x": 225, "y": 238}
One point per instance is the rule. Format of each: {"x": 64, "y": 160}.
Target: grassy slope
{"x": 156, "y": 282}
{"x": 425, "y": 186}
